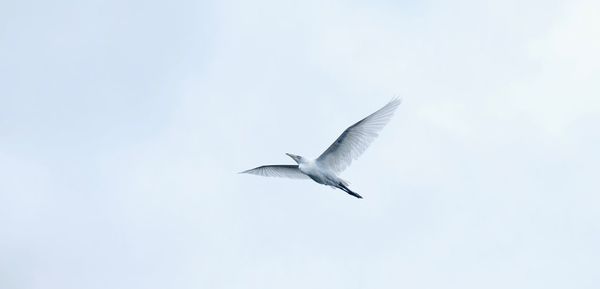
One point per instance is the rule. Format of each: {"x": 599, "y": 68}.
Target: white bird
{"x": 347, "y": 147}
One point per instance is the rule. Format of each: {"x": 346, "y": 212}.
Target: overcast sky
{"x": 123, "y": 125}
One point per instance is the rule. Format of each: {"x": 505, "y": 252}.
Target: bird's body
{"x": 319, "y": 173}
{"x": 348, "y": 146}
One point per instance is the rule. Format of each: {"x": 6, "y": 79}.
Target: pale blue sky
{"x": 123, "y": 126}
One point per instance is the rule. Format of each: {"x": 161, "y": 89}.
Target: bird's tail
{"x": 350, "y": 192}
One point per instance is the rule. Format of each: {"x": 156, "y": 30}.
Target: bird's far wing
{"x": 283, "y": 171}
{"x": 355, "y": 139}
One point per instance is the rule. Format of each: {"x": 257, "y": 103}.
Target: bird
{"x": 338, "y": 156}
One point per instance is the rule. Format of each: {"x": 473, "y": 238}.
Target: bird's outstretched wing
{"x": 283, "y": 171}
{"x": 355, "y": 139}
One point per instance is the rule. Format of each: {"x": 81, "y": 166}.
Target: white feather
{"x": 283, "y": 171}
{"x": 355, "y": 139}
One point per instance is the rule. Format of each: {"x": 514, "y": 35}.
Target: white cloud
{"x": 565, "y": 90}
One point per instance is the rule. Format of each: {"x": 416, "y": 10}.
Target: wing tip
{"x": 396, "y": 100}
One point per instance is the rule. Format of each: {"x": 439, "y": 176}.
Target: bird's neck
{"x": 305, "y": 163}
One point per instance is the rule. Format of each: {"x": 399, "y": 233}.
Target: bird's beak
{"x": 294, "y": 157}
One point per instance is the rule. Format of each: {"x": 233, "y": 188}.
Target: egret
{"x": 346, "y": 148}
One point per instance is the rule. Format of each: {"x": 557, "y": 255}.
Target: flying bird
{"x": 346, "y": 148}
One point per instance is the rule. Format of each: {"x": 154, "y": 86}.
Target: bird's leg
{"x": 345, "y": 189}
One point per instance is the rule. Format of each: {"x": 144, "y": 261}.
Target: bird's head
{"x": 297, "y": 159}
